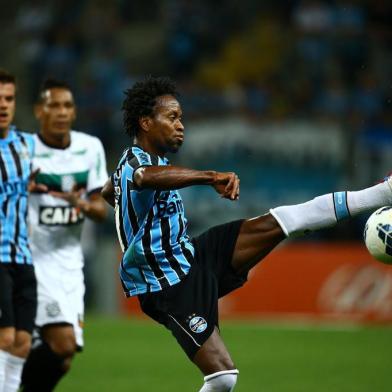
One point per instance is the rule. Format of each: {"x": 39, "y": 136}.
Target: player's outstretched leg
{"x": 258, "y": 236}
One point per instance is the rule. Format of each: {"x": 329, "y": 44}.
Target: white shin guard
{"x": 223, "y": 381}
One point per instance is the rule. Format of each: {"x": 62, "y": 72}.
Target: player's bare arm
{"x": 35, "y": 187}
{"x": 93, "y": 207}
{"x": 173, "y": 177}
{"x": 107, "y": 192}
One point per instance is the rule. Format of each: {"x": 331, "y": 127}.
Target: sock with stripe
{"x": 13, "y": 375}
{"x": 327, "y": 210}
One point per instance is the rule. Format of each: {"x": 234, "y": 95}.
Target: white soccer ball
{"x": 378, "y": 235}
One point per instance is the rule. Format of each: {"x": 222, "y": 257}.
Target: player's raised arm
{"x": 174, "y": 177}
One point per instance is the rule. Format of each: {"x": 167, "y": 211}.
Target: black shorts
{"x": 18, "y": 296}
{"x": 189, "y": 309}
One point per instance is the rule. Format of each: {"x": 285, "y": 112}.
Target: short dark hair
{"x": 50, "y": 83}
{"x": 7, "y": 77}
{"x": 141, "y": 99}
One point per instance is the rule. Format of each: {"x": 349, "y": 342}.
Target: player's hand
{"x": 73, "y": 197}
{"x": 33, "y": 186}
{"x": 227, "y": 185}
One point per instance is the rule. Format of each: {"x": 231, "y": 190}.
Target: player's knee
{"x": 7, "y": 339}
{"x": 65, "y": 347}
{"x": 22, "y": 347}
{"x": 223, "y": 381}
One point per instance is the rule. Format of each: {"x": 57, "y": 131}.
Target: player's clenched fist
{"x": 227, "y": 185}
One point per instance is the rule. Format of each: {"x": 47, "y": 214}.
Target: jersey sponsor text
{"x": 59, "y": 215}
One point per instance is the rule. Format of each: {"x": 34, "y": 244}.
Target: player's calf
{"x": 223, "y": 381}
{"x": 49, "y": 359}
{"x": 43, "y": 369}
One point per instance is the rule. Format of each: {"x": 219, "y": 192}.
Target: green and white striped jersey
{"x": 55, "y": 225}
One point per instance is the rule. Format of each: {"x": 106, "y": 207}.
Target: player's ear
{"x": 145, "y": 123}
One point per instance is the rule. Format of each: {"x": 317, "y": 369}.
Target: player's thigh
{"x": 213, "y": 356}
{"x": 7, "y": 316}
{"x": 257, "y": 237}
{"x": 60, "y": 299}
{"x": 25, "y": 298}
{"x": 188, "y": 309}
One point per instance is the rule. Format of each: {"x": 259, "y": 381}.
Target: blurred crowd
{"x": 325, "y": 59}
{"x": 327, "y": 62}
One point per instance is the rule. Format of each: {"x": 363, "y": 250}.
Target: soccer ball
{"x": 378, "y": 235}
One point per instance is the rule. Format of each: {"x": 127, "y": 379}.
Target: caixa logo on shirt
{"x": 59, "y": 215}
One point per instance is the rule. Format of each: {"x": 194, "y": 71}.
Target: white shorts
{"x": 60, "y": 297}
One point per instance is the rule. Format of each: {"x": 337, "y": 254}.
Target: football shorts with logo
{"x": 189, "y": 309}
{"x": 60, "y": 295}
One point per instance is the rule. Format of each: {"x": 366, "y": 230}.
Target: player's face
{"x": 7, "y": 105}
{"x": 166, "y": 131}
{"x": 57, "y": 112}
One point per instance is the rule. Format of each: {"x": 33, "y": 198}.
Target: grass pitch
{"x": 141, "y": 356}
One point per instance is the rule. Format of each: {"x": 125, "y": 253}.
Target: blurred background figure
{"x": 72, "y": 167}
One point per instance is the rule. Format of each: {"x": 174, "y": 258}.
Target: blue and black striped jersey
{"x": 151, "y": 228}
{"x": 16, "y": 152}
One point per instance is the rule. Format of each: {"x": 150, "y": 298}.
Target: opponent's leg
{"x": 50, "y": 359}
{"x": 260, "y": 235}
{"x": 215, "y": 362}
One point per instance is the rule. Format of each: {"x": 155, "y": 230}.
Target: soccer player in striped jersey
{"x": 73, "y": 167}
{"x": 17, "y": 279}
{"x": 178, "y": 280}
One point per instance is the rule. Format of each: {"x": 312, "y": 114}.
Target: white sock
{"x": 326, "y": 210}
{"x": 223, "y": 381}
{"x": 13, "y": 373}
{"x": 3, "y": 364}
